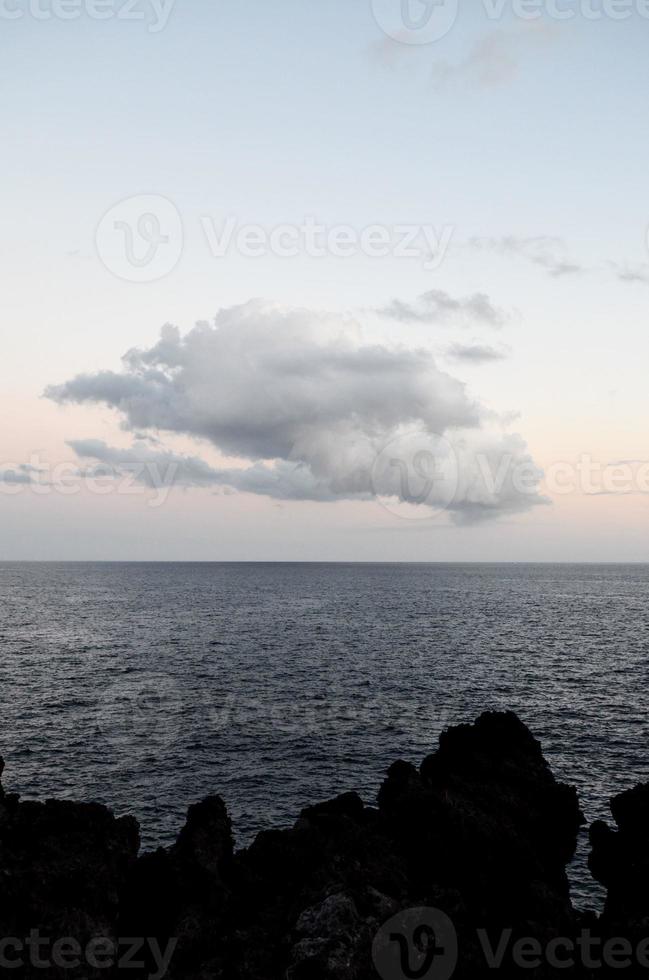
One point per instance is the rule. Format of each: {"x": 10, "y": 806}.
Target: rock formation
{"x": 480, "y": 833}
{"x": 619, "y": 859}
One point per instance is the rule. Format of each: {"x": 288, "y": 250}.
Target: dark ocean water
{"x": 147, "y": 687}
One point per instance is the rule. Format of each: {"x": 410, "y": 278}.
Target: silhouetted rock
{"x": 619, "y": 859}
{"x": 484, "y": 815}
{"x": 63, "y": 867}
{"x": 481, "y": 831}
{"x": 486, "y": 832}
{"x": 180, "y": 896}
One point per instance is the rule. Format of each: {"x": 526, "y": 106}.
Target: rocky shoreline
{"x": 459, "y": 870}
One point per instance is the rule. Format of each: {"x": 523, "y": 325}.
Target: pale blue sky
{"x": 271, "y": 112}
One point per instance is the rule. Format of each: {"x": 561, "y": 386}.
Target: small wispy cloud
{"x": 549, "y": 253}
{"x": 610, "y": 493}
{"x": 541, "y": 250}
{"x": 496, "y": 58}
{"x": 151, "y": 466}
{"x": 621, "y": 478}
{"x": 15, "y": 477}
{"x": 388, "y": 52}
{"x": 23, "y": 474}
{"x": 475, "y": 353}
{"x": 632, "y": 274}
{"x": 438, "y": 306}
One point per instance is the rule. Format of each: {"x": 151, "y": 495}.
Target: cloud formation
{"x": 543, "y": 251}
{"x": 475, "y": 353}
{"x": 632, "y": 274}
{"x": 301, "y": 402}
{"x": 495, "y": 58}
{"x": 437, "y": 306}
{"x": 162, "y": 468}
{"x": 21, "y": 475}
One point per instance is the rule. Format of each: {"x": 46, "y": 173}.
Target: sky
{"x": 354, "y": 281}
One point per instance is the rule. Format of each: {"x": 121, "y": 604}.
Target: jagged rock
{"x": 62, "y": 870}
{"x": 484, "y": 815}
{"x": 328, "y": 937}
{"x": 481, "y": 831}
{"x": 180, "y": 895}
{"x": 620, "y": 861}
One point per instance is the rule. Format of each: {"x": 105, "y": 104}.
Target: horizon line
{"x": 315, "y": 561}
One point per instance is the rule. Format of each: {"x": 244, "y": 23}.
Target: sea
{"x": 149, "y": 686}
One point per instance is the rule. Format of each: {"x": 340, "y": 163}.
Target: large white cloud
{"x": 302, "y": 401}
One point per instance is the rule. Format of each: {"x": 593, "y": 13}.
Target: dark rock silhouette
{"x": 619, "y": 859}
{"x": 481, "y": 831}
{"x": 63, "y": 867}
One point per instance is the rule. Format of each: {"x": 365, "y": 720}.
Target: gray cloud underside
{"x": 158, "y": 469}
{"x": 474, "y": 500}
{"x": 299, "y": 400}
